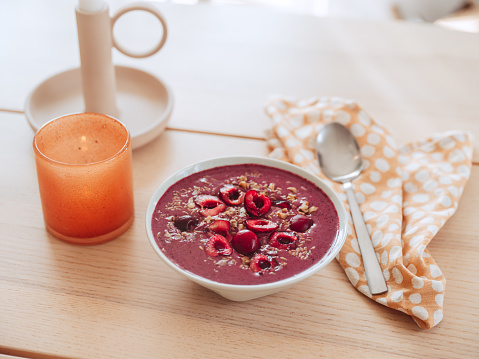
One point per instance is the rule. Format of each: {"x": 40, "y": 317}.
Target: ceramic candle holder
{"x": 137, "y": 98}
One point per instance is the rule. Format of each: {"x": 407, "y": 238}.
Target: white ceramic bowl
{"x": 247, "y": 292}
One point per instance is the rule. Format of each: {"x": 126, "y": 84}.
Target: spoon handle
{"x": 374, "y": 274}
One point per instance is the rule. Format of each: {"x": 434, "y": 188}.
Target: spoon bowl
{"x": 340, "y": 159}
{"x": 338, "y": 153}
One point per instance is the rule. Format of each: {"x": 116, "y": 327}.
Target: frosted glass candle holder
{"x": 84, "y": 170}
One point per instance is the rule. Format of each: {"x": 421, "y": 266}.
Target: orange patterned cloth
{"x": 405, "y": 193}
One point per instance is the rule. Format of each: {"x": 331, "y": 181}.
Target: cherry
{"x": 245, "y": 242}
{"x": 210, "y": 205}
{"x": 185, "y": 223}
{"x": 283, "y": 240}
{"x": 261, "y": 225}
{"x": 218, "y": 245}
{"x": 232, "y": 195}
{"x": 256, "y": 204}
{"x": 300, "y": 223}
{"x": 282, "y": 204}
{"x": 262, "y": 263}
{"x": 220, "y": 226}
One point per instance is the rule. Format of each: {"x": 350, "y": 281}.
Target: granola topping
{"x": 207, "y": 249}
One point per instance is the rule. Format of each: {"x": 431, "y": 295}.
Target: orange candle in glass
{"x": 84, "y": 171}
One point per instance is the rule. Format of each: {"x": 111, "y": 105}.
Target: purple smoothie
{"x": 187, "y": 248}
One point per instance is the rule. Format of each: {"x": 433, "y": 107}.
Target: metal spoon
{"x": 340, "y": 159}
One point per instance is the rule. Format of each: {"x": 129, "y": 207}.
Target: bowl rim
{"x": 268, "y": 162}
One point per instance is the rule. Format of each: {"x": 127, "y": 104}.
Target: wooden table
{"x": 118, "y": 300}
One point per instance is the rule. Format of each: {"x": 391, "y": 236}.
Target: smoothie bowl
{"x": 245, "y": 226}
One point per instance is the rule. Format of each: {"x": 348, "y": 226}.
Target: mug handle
{"x": 142, "y": 7}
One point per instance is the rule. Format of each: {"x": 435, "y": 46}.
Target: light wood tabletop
{"x": 118, "y": 299}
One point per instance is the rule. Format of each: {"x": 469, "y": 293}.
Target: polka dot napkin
{"x": 405, "y": 193}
